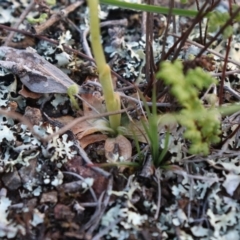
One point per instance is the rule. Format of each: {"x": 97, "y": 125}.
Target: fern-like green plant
{"x": 202, "y": 124}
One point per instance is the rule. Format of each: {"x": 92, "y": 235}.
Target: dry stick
{"x": 20, "y": 20}
{"x": 79, "y": 120}
{"x": 232, "y": 91}
{"x": 208, "y": 49}
{"x": 219, "y": 32}
{"x": 105, "y": 203}
{"x": 22, "y": 119}
{"x": 223, "y": 72}
{"x": 201, "y": 14}
{"x": 89, "y": 162}
{"x": 142, "y": 103}
{"x": 82, "y": 178}
{"x": 128, "y": 97}
{"x": 94, "y": 216}
{"x": 227, "y": 88}
{"x": 107, "y": 229}
{"x": 175, "y": 48}
{"x": 39, "y": 29}
{"x": 200, "y": 23}
{"x": 158, "y": 181}
{"x": 225, "y": 62}
{"x": 65, "y": 48}
{"x": 226, "y": 73}
{"x": 57, "y": 17}
{"x": 62, "y": 130}
{"x": 123, "y": 22}
{"x": 148, "y": 40}
{"x": 171, "y": 6}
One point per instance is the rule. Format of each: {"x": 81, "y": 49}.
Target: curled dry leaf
{"x": 34, "y": 71}
{"x": 119, "y": 147}
{"x": 85, "y": 141}
{"x": 93, "y": 103}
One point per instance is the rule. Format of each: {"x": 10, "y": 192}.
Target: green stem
{"x": 150, "y": 8}
{"x": 112, "y": 99}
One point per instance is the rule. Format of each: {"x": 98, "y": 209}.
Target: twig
{"x": 88, "y": 161}
{"x": 223, "y": 72}
{"x": 79, "y": 120}
{"x": 20, "y": 20}
{"x": 142, "y": 103}
{"x": 102, "y": 210}
{"x": 81, "y": 178}
{"x": 171, "y": 6}
{"x": 95, "y": 215}
{"x": 148, "y": 40}
{"x": 62, "y": 130}
{"x": 232, "y": 91}
{"x": 107, "y": 229}
{"x": 208, "y": 49}
{"x": 184, "y": 174}
{"x": 65, "y": 48}
{"x": 57, "y": 17}
{"x": 226, "y": 73}
{"x": 22, "y": 119}
{"x": 229, "y": 22}
{"x": 158, "y": 181}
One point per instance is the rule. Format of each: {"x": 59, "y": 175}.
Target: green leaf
{"x": 41, "y": 19}
{"x": 150, "y": 8}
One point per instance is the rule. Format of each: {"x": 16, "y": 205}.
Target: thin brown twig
{"x": 225, "y": 63}
{"x": 57, "y": 17}
{"x": 69, "y": 49}
{"x": 20, "y": 118}
{"x": 158, "y": 181}
{"x": 208, "y": 49}
{"x": 79, "y": 120}
{"x": 223, "y": 72}
{"x": 201, "y": 14}
{"x": 148, "y": 40}
{"x": 171, "y": 6}
{"x": 20, "y": 20}
{"x": 24, "y": 120}
{"x": 82, "y": 179}
{"x": 233, "y": 15}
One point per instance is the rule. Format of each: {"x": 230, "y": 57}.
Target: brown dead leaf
{"x": 93, "y": 103}
{"x": 29, "y": 94}
{"x": 118, "y": 147}
{"x": 95, "y": 125}
{"x": 85, "y": 141}
{"x": 64, "y": 119}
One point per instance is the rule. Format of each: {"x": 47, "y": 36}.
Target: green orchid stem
{"x": 150, "y": 8}
{"x": 112, "y": 99}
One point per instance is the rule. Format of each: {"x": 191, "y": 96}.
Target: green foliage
{"x": 41, "y": 19}
{"x": 217, "y": 20}
{"x": 73, "y": 90}
{"x": 234, "y": 8}
{"x": 151, "y": 129}
{"x": 150, "y": 8}
{"x": 202, "y": 125}
{"x": 51, "y": 2}
{"x": 112, "y": 99}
